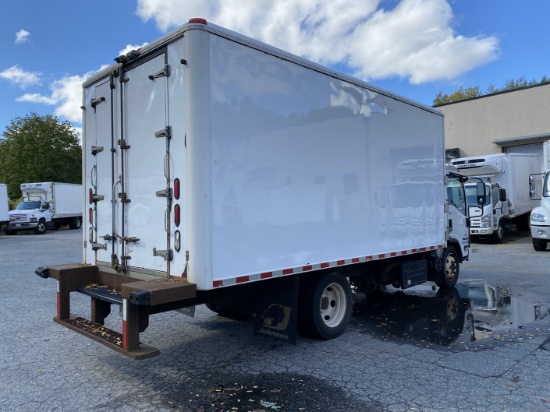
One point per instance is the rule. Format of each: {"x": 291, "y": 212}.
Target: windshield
{"x": 28, "y": 205}
{"x": 471, "y": 196}
{"x": 546, "y": 186}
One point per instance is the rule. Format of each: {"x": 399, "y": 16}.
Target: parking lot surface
{"x": 483, "y": 348}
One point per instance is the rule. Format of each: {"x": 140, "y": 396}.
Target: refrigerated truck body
{"x": 221, "y": 170}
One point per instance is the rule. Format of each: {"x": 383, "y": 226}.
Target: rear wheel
{"x": 539, "y": 244}
{"x": 325, "y": 306}
{"x": 75, "y": 223}
{"x": 451, "y": 268}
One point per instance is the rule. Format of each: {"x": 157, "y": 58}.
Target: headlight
{"x": 537, "y": 217}
{"x": 34, "y": 219}
{"x": 486, "y": 221}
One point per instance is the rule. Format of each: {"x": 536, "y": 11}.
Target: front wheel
{"x": 325, "y": 306}
{"x": 451, "y": 268}
{"x": 498, "y": 236}
{"x": 41, "y": 228}
{"x": 539, "y": 244}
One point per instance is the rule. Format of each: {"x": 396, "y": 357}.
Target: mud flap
{"x": 276, "y": 309}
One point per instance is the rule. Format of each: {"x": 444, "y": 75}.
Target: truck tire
{"x": 75, "y": 223}
{"x": 539, "y": 244}
{"x": 498, "y": 236}
{"x": 41, "y": 228}
{"x": 325, "y": 305}
{"x": 451, "y": 268}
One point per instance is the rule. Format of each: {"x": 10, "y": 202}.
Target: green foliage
{"x": 475, "y": 91}
{"x": 39, "y": 149}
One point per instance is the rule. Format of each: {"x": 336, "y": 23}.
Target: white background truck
{"x": 506, "y": 178}
{"x": 221, "y": 170}
{"x": 540, "y": 216}
{"x": 47, "y": 205}
{"x": 4, "y": 205}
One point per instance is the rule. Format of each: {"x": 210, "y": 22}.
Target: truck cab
{"x": 540, "y": 216}
{"x": 487, "y": 217}
{"x": 31, "y": 213}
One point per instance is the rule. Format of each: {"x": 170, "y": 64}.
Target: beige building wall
{"x": 473, "y": 125}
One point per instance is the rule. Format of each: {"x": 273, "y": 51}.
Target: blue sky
{"x": 415, "y": 48}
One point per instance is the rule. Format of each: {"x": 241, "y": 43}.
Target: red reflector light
{"x": 197, "y": 20}
{"x": 177, "y": 215}
{"x": 90, "y": 196}
{"x": 91, "y": 216}
{"x": 177, "y": 188}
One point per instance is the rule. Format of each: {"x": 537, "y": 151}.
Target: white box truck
{"x": 540, "y": 215}
{"x": 219, "y": 170}
{"x": 506, "y": 178}
{"x": 46, "y": 205}
{"x": 4, "y": 205}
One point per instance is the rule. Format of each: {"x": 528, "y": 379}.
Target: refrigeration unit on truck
{"x": 4, "y": 205}
{"x": 47, "y": 205}
{"x": 219, "y": 170}
{"x": 540, "y": 215}
{"x": 507, "y": 199}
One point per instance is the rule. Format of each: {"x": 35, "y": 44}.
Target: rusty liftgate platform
{"x": 139, "y": 299}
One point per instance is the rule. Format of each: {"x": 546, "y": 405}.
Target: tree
{"x": 475, "y": 91}
{"x": 39, "y": 149}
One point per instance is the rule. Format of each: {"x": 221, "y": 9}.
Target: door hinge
{"x": 97, "y": 101}
{"x": 123, "y": 145}
{"x": 130, "y": 239}
{"x": 97, "y": 198}
{"x": 164, "y": 72}
{"x": 96, "y": 150}
{"x": 166, "y": 132}
{"x": 107, "y": 237}
{"x": 123, "y": 198}
{"x": 165, "y": 193}
{"x": 166, "y": 254}
{"x": 97, "y": 246}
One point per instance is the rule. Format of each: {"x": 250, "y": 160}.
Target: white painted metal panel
{"x": 98, "y": 171}
{"x": 307, "y": 168}
{"x": 145, "y": 217}
{"x": 67, "y": 199}
{"x": 4, "y": 217}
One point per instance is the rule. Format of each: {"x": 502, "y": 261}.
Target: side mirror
{"x": 481, "y": 193}
{"x": 502, "y": 194}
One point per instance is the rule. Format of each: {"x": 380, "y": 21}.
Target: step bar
{"x": 138, "y": 298}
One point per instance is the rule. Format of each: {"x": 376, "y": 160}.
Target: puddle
{"x": 427, "y": 315}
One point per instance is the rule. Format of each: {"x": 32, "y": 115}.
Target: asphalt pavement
{"x": 483, "y": 348}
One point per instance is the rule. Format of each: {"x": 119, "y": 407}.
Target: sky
{"x": 414, "y": 48}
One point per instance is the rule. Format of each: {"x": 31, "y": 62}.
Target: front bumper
{"x": 540, "y": 232}
{"x": 486, "y": 231}
{"x": 22, "y": 225}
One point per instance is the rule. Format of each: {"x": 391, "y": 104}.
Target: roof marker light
{"x": 197, "y": 20}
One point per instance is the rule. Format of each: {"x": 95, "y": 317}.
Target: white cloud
{"x": 415, "y": 40}
{"x": 131, "y": 47}
{"x": 66, "y": 95}
{"x": 20, "y": 77}
{"x": 21, "y": 36}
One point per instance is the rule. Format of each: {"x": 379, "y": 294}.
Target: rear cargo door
{"x": 100, "y": 112}
{"x": 143, "y": 192}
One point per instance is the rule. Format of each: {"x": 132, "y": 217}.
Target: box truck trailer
{"x": 4, "y": 205}
{"x": 219, "y": 170}
{"x": 540, "y": 216}
{"x": 508, "y": 202}
{"x": 47, "y": 205}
